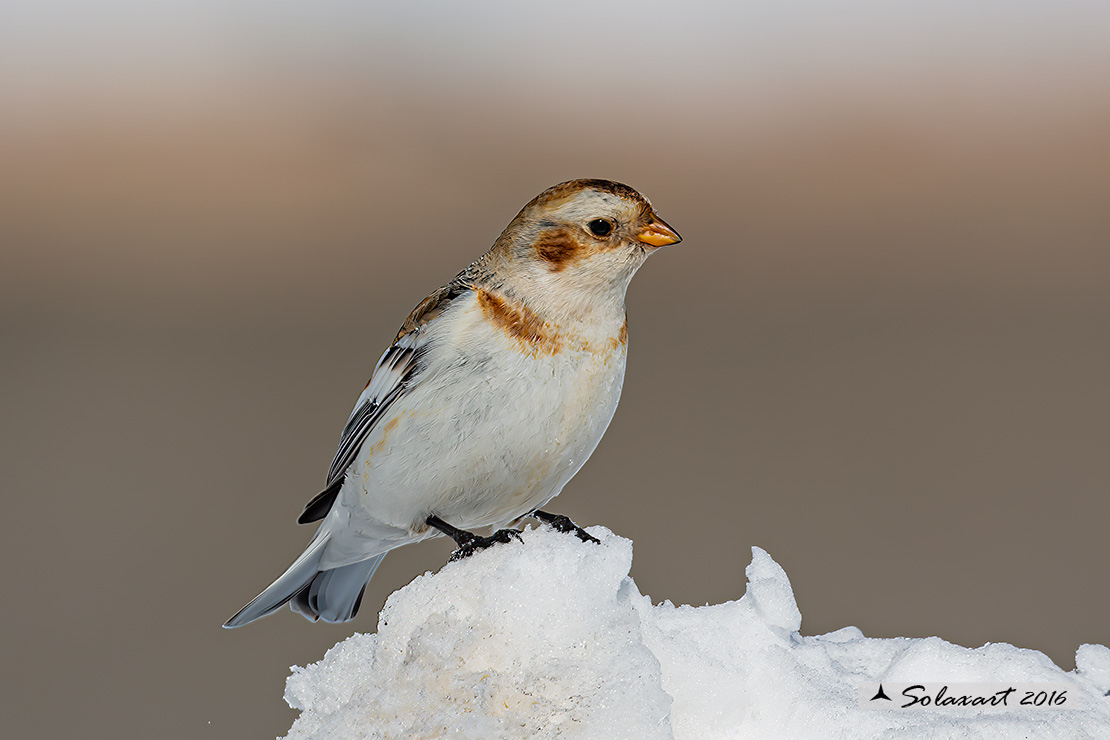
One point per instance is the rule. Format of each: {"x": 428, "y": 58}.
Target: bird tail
{"x": 333, "y": 595}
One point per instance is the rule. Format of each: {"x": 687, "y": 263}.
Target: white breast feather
{"x": 488, "y": 434}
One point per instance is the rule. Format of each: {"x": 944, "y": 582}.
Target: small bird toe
{"x": 563, "y": 523}
{"x": 476, "y": 544}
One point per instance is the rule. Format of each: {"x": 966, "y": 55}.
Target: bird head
{"x": 581, "y": 241}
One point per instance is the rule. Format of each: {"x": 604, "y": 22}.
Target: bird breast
{"x": 506, "y": 409}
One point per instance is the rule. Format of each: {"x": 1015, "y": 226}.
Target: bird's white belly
{"x": 484, "y": 439}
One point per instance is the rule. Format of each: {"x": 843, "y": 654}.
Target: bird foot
{"x": 562, "y": 523}
{"x": 472, "y": 544}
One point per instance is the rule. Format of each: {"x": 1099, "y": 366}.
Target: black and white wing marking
{"x": 392, "y": 377}
{"x": 387, "y": 384}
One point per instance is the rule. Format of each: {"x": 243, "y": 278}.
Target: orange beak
{"x": 658, "y": 234}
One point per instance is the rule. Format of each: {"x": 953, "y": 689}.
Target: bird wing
{"x": 391, "y": 379}
{"x": 388, "y": 383}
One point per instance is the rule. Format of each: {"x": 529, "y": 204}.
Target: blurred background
{"x": 881, "y": 352}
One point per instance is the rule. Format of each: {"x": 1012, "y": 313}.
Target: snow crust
{"x": 550, "y": 637}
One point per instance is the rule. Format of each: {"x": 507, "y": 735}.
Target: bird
{"x": 495, "y": 391}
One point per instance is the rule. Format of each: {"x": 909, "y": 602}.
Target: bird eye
{"x": 600, "y": 227}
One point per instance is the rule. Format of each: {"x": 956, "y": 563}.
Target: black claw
{"x": 468, "y": 542}
{"x": 476, "y": 543}
{"x": 460, "y": 536}
{"x": 562, "y": 523}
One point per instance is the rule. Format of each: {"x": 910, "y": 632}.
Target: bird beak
{"x": 658, "y": 234}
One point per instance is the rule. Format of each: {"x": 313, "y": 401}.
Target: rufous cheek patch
{"x": 558, "y": 248}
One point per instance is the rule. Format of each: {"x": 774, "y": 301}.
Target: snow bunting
{"x": 494, "y": 393}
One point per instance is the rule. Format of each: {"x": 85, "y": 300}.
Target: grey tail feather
{"x": 278, "y": 593}
{"x": 335, "y": 595}
{"x": 332, "y": 595}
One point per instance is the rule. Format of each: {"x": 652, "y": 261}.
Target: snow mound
{"x": 549, "y": 637}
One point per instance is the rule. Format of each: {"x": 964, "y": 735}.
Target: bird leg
{"x": 562, "y": 523}
{"x": 468, "y": 542}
